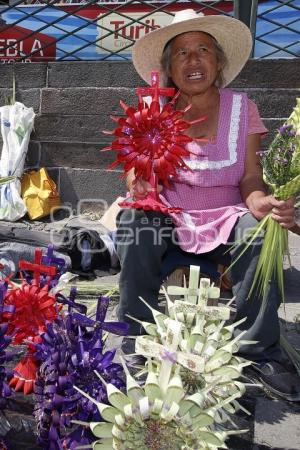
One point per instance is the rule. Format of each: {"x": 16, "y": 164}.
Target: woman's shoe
{"x": 134, "y": 362}
{"x": 276, "y": 379}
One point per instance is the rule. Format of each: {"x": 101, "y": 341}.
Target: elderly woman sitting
{"x": 223, "y": 195}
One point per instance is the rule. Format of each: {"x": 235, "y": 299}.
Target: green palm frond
{"x": 281, "y": 172}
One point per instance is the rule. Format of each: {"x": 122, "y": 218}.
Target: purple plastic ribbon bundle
{"x": 5, "y": 357}
{"x": 70, "y": 353}
{"x": 5, "y": 373}
{"x": 51, "y": 260}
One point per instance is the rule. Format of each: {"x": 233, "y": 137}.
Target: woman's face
{"x": 194, "y": 65}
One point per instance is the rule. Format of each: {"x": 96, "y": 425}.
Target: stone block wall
{"x": 73, "y": 102}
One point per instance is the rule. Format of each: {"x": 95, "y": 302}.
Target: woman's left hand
{"x": 284, "y": 213}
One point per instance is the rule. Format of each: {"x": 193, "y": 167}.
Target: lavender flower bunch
{"x": 281, "y": 172}
{"x": 71, "y": 351}
{"x": 281, "y": 162}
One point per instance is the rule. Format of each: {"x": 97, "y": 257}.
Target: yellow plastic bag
{"x": 39, "y": 193}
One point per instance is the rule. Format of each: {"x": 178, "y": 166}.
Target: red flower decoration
{"x": 33, "y": 308}
{"x": 25, "y": 374}
{"x": 27, "y": 310}
{"x": 151, "y": 140}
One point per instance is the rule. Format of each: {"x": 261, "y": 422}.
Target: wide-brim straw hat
{"x": 232, "y": 35}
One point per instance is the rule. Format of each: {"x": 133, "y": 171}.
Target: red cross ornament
{"x": 37, "y": 267}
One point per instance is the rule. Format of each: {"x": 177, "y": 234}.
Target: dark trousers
{"x": 143, "y": 238}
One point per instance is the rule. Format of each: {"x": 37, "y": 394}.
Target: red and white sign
{"x": 129, "y": 30}
{"x": 126, "y": 30}
{"x": 17, "y": 42}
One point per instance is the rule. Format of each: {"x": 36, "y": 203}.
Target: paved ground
{"x": 273, "y": 424}
{"x": 277, "y": 423}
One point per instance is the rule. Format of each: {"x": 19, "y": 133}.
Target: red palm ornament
{"x": 150, "y": 140}
{"x": 28, "y": 310}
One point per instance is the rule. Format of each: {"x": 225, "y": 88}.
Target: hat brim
{"x": 232, "y": 35}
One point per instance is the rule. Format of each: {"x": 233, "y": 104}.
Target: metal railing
{"x": 278, "y": 29}
{"x": 39, "y": 30}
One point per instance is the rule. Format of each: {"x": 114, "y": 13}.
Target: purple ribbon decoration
{"x": 4, "y": 309}
{"x": 119, "y": 328}
{"x": 5, "y": 357}
{"x": 169, "y": 356}
{"x": 71, "y": 301}
{"x": 72, "y": 349}
{"x": 50, "y": 260}
{"x": 80, "y": 436}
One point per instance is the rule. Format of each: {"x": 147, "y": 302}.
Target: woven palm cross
{"x": 196, "y": 296}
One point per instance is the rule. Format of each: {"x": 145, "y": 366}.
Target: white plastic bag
{"x": 16, "y": 125}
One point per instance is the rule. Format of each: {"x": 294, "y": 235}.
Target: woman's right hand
{"x": 139, "y": 188}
